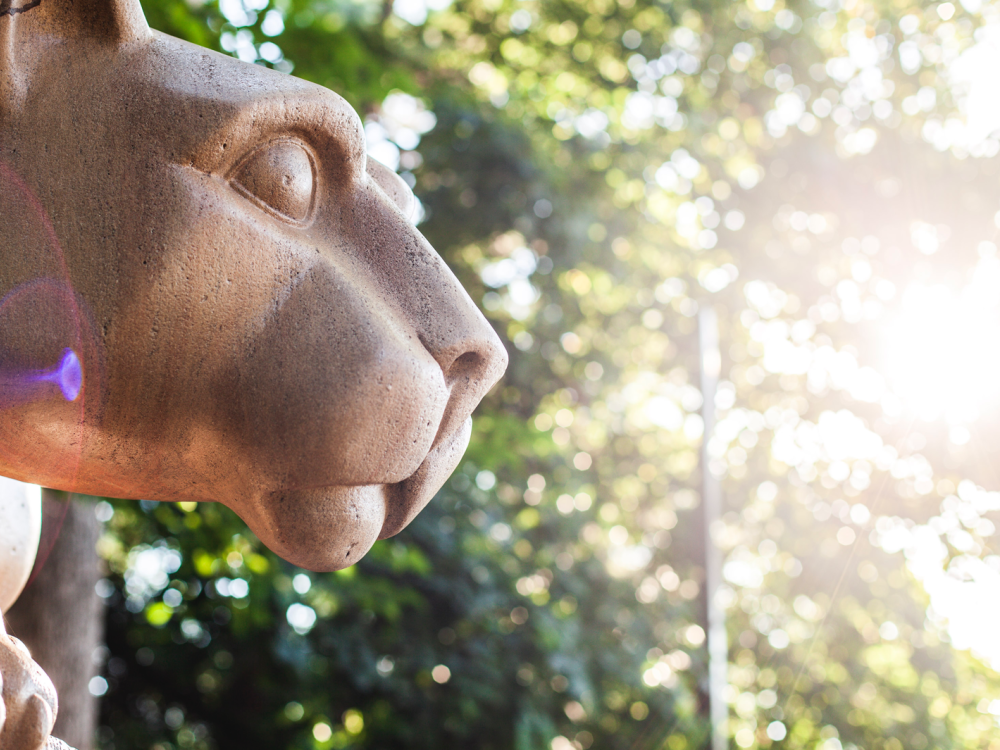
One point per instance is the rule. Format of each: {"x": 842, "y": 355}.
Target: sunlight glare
{"x": 942, "y": 353}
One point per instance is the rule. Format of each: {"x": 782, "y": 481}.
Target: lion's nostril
{"x": 463, "y": 367}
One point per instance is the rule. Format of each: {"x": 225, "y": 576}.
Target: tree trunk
{"x": 60, "y": 617}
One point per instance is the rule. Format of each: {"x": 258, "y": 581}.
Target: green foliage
{"x": 233, "y": 670}
{"x": 639, "y": 158}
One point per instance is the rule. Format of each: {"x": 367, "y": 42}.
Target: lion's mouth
{"x": 332, "y": 526}
{"x": 405, "y": 499}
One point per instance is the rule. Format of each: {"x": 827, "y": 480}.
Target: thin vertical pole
{"x": 718, "y": 648}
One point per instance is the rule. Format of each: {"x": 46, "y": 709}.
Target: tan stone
{"x": 29, "y": 705}
{"x": 259, "y": 322}
{"x": 20, "y": 529}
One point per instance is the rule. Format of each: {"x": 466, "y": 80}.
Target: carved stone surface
{"x": 20, "y": 527}
{"x": 210, "y": 293}
{"x": 29, "y": 706}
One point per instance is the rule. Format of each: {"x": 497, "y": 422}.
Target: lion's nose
{"x": 429, "y": 301}
{"x": 471, "y": 357}
{"x": 474, "y": 363}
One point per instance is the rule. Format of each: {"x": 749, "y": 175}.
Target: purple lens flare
{"x": 47, "y": 333}
{"x": 36, "y": 385}
{"x": 68, "y": 375}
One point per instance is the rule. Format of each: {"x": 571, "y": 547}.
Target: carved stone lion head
{"x": 257, "y": 320}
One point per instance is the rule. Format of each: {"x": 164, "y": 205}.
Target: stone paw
{"x": 29, "y": 705}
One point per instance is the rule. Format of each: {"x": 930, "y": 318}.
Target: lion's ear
{"x": 119, "y": 21}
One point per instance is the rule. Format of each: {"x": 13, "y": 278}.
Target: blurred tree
{"x": 595, "y": 172}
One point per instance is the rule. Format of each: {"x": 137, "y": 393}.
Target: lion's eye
{"x": 280, "y": 177}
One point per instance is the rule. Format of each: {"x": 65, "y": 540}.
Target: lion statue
{"x": 210, "y": 293}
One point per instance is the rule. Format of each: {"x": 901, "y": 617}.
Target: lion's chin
{"x": 322, "y": 529}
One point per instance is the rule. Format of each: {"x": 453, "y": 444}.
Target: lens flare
{"x": 68, "y": 375}
{"x": 48, "y": 338}
{"x": 34, "y": 385}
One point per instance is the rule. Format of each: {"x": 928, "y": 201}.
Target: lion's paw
{"x": 29, "y": 705}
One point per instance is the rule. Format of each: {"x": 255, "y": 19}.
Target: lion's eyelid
{"x": 280, "y": 177}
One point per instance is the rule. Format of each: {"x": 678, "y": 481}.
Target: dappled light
{"x": 822, "y": 176}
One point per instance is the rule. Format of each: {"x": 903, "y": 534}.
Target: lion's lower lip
{"x": 404, "y": 500}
